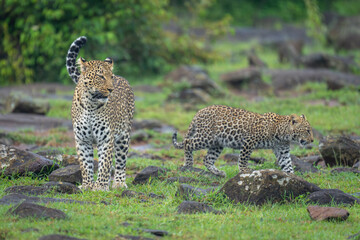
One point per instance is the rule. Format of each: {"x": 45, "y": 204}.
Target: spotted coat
{"x": 216, "y": 127}
{"x": 102, "y": 112}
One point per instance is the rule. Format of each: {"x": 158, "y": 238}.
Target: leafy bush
{"x": 37, "y": 34}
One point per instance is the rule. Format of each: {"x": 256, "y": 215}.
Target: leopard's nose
{"x": 110, "y": 89}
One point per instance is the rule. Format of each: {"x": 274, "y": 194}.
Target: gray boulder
{"x": 71, "y": 174}
{"x": 27, "y": 209}
{"x": 261, "y": 186}
{"x": 59, "y": 187}
{"x": 148, "y": 174}
{"x": 14, "y": 161}
{"x": 332, "y": 196}
{"x": 327, "y": 213}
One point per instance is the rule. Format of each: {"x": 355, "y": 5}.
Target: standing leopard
{"x": 216, "y": 127}
{"x": 102, "y": 112}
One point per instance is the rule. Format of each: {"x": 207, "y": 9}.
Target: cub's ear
{"x": 294, "y": 119}
{"x": 82, "y": 63}
{"x": 110, "y": 62}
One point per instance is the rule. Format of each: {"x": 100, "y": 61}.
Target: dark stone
{"x": 182, "y": 180}
{"x": 339, "y": 63}
{"x": 327, "y": 213}
{"x": 158, "y": 233}
{"x": 250, "y": 77}
{"x": 18, "y": 103}
{"x": 313, "y": 160}
{"x": 349, "y": 37}
{"x": 140, "y": 135}
{"x": 16, "y": 162}
{"x": 190, "y": 96}
{"x": 15, "y": 198}
{"x": 302, "y": 166}
{"x": 17, "y": 121}
{"x": 131, "y": 194}
{"x": 191, "y": 207}
{"x": 145, "y": 155}
{"x": 332, "y": 196}
{"x": 255, "y": 61}
{"x": 290, "y": 51}
{"x": 121, "y": 237}
{"x": 194, "y": 77}
{"x": 149, "y": 172}
{"x": 261, "y": 186}
{"x": 346, "y": 170}
{"x": 285, "y": 79}
{"x": 59, "y": 187}
{"x": 233, "y": 157}
{"x": 187, "y": 192}
{"x": 5, "y": 139}
{"x": 71, "y": 174}
{"x": 59, "y": 237}
{"x": 339, "y": 150}
{"x": 27, "y": 209}
{"x": 199, "y": 171}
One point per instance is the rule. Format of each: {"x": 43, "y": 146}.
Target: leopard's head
{"x": 97, "y": 78}
{"x": 301, "y": 131}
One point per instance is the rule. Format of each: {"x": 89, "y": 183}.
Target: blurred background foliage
{"x": 36, "y": 34}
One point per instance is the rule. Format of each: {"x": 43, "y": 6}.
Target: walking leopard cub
{"x": 216, "y": 127}
{"x": 102, "y": 112}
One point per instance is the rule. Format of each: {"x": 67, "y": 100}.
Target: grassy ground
{"x": 272, "y": 221}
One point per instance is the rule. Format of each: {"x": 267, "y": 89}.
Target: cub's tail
{"x": 176, "y": 144}
{"x": 71, "y": 58}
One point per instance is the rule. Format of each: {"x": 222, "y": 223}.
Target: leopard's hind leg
{"x": 121, "y": 150}
{"x": 210, "y": 158}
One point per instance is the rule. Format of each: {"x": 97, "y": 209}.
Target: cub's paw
{"x": 119, "y": 185}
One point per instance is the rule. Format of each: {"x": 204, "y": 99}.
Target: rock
{"x": 313, "y": 160}
{"x": 191, "y": 207}
{"x": 71, "y": 174}
{"x": 15, "y": 198}
{"x": 158, "y": 233}
{"x": 187, "y": 192}
{"x": 190, "y": 96}
{"x": 147, "y": 88}
{"x": 121, "y": 237}
{"x": 356, "y": 165}
{"x": 290, "y": 51}
{"x": 285, "y": 79}
{"x": 193, "y": 77}
{"x": 16, "y": 121}
{"x": 339, "y": 150}
{"x": 347, "y": 170}
{"x": 255, "y": 61}
{"x": 52, "y": 154}
{"x": 14, "y": 161}
{"x": 60, "y": 187}
{"x": 140, "y": 136}
{"x": 152, "y": 124}
{"x": 59, "y": 237}
{"x": 250, "y": 77}
{"x": 17, "y": 102}
{"x": 302, "y": 166}
{"x": 148, "y": 173}
{"x": 233, "y": 157}
{"x": 261, "y": 186}
{"x": 199, "y": 171}
{"x": 332, "y": 196}
{"x": 317, "y": 134}
{"x": 338, "y": 63}
{"x": 182, "y": 180}
{"x": 27, "y": 209}
{"x": 349, "y": 36}
{"x": 145, "y": 155}
{"x": 327, "y": 213}
{"x": 5, "y": 139}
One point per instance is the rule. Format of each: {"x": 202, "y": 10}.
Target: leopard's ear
{"x": 110, "y": 62}
{"x": 82, "y": 63}
{"x": 303, "y": 116}
{"x": 294, "y": 119}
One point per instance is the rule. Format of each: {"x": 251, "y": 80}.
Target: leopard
{"x": 102, "y": 113}
{"x": 217, "y": 127}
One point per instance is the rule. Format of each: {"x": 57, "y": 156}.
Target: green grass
{"x": 241, "y": 221}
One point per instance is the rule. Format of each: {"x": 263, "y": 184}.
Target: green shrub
{"x": 37, "y": 34}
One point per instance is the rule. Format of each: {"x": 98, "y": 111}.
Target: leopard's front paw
{"x": 86, "y": 186}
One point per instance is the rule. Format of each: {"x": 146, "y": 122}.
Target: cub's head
{"x": 301, "y": 131}
{"x": 97, "y": 78}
